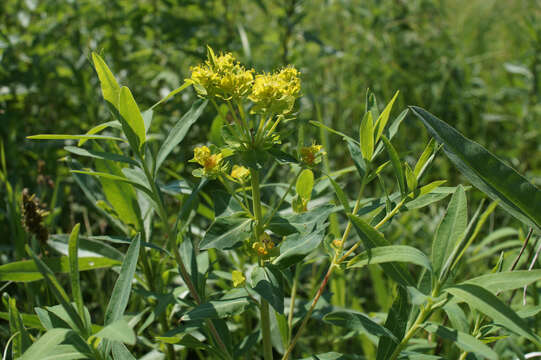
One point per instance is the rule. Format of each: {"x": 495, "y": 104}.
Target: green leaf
{"x": 367, "y": 136}
{"x": 411, "y": 180}
{"x": 45, "y": 344}
{"x": 226, "y": 232}
{"x": 305, "y": 184}
{"x": 358, "y": 322}
{"x": 100, "y": 155}
{"x": 29, "y": 320}
{"x": 172, "y": 93}
{"x": 57, "y": 290}
{"x": 231, "y": 304}
{"x": 128, "y": 109}
{"x": 450, "y": 231}
{"x": 372, "y": 238}
{"x": 485, "y": 302}
{"x": 464, "y": 341}
{"x": 119, "y": 194}
{"x": 333, "y": 356}
{"x": 119, "y": 331}
{"x": 21, "y": 341}
{"x": 295, "y": 248}
{"x": 344, "y": 201}
{"x": 357, "y": 158}
{"x": 72, "y": 137}
{"x": 396, "y": 322}
{"x": 73, "y": 258}
{"x": 266, "y": 281}
{"x": 397, "y": 166}
{"x": 425, "y": 159}
{"x": 109, "y": 86}
{"x": 392, "y": 253}
{"x": 486, "y": 172}
{"x": 120, "y": 352}
{"x": 302, "y": 223}
{"x": 331, "y": 130}
{"x": 104, "y": 175}
{"x": 384, "y": 116}
{"x": 507, "y": 280}
{"x": 96, "y": 129}
{"x": 121, "y": 291}
{"x": 179, "y": 131}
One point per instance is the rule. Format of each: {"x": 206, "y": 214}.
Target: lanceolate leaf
{"x": 231, "y": 304}
{"x": 384, "y": 116}
{"x": 464, "y": 341}
{"x": 358, "y": 322}
{"x": 357, "y": 157}
{"x": 397, "y": 166}
{"x": 486, "y": 172}
{"x": 226, "y": 232}
{"x": 119, "y": 331}
{"x": 485, "y": 302}
{"x": 295, "y": 247}
{"x": 128, "y": 109}
{"x": 305, "y": 184}
{"x": 451, "y": 230}
{"x": 73, "y": 257}
{"x": 100, "y": 155}
{"x": 507, "y": 280}
{"x": 179, "y": 131}
{"x": 267, "y": 282}
{"x": 109, "y": 86}
{"x": 367, "y": 136}
{"x": 45, "y": 344}
{"x": 372, "y": 238}
{"x": 392, "y": 253}
{"x": 396, "y": 322}
{"x": 121, "y": 291}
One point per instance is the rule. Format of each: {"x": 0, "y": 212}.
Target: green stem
{"x": 174, "y": 249}
{"x": 425, "y": 311}
{"x": 333, "y": 264}
{"x": 264, "y": 307}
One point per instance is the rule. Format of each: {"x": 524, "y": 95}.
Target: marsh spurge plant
{"x": 239, "y": 289}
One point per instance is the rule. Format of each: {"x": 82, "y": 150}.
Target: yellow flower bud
{"x": 238, "y": 278}
{"x": 310, "y": 155}
{"x": 211, "y": 163}
{"x": 260, "y": 248}
{"x": 240, "y": 173}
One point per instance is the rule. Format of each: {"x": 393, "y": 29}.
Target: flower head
{"x": 211, "y": 163}
{"x": 240, "y": 173}
{"x": 221, "y": 76}
{"x": 276, "y": 93}
{"x": 311, "y": 155}
{"x": 264, "y": 245}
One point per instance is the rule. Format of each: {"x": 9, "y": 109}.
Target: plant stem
{"x": 264, "y": 306}
{"x": 333, "y": 264}
{"x": 174, "y": 249}
{"x": 412, "y": 330}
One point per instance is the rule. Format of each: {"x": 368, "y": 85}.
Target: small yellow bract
{"x": 238, "y": 278}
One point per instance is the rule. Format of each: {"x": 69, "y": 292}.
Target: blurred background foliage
{"x": 474, "y": 63}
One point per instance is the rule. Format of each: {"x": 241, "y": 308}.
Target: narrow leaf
{"x": 72, "y": 137}
{"x": 45, "y": 344}
{"x": 397, "y": 166}
{"x": 130, "y": 112}
{"x": 179, "y": 131}
{"x": 358, "y": 322}
{"x": 392, "y": 253}
{"x": 372, "y": 238}
{"x": 226, "y": 232}
{"x": 305, "y": 184}
{"x": 121, "y": 291}
{"x": 295, "y": 248}
{"x": 507, "y": 280}
{"x": 73, "y": 258}
{"x": 109, "y": 86}
{"x": 486, "y": 172}
{"x": 450, "y": 231}
{"x": 266, "y": 282}
{"x": 487, "y": 303}
{"x": 396, "y": 322}
{"x": 119, "y": 331}
{"x": 384, "y": 116}
{"x": 464, "y": 341}
{"x": 367, "y": 136}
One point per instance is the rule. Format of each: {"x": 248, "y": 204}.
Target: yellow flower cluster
{"x": 276, "y": 93}
{"x": 311, "y": 155}
{"x": 240, "y": 173}
{"x": 211, "y": 163}
{"x": 222, "y": 76}
{"x": 264, "y": 245}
